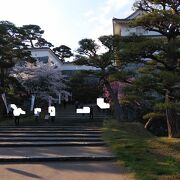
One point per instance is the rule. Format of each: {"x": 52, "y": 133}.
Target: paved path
{"x": 54, "y": 151}
{"x": 64, "y": 171}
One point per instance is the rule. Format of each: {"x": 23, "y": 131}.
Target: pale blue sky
{"x": 66, "y": 21}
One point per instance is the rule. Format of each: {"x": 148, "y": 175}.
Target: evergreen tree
{"x": 32, "y": 35}
{"x": 11, "y": 48}
{"x": 63, "y": 52}
{"x": 159, "y": 80}
{"x": 88, "y": 55}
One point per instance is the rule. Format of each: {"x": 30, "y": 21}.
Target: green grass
{"x": 149, "y": 157}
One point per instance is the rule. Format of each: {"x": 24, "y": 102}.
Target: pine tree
{"x": 158, "y": 82}
{"x": 88, "y": 55}
{"x": 63, "y": 52}
{"x": 32, "y": 36}
{"x": 12, "y": 49}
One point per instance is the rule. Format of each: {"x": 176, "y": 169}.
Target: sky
{"x": 66, "y": 21}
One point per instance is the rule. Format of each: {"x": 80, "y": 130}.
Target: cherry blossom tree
{"x": 44, "y": 80}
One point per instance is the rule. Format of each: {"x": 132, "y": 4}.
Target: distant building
{"x": 120, "y": 26}
{"x": 46, "y": 55}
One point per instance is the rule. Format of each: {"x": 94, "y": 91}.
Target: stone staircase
{"x": 52, "y": 143}
{"x": 69, "y": 116}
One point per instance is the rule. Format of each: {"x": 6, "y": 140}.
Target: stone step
{"x": 2, "y": 135}
{"x": 49, "y": 143}
{"x": 79, "y": 118}
{"x": 77, "y": 123}
{"x": 50, "y": 132}
{"x": 78, "y": 115}
{"x": 55, "y": 151}
{"x": 64, "y": 139}
{"x": 36, "y": 154}
{"x": 49, "y": 128}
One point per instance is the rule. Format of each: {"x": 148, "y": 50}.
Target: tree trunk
{"x": 171, "y": 123}
{"x": 2, "y": 77}
{"x": 171, "y": 118}
{"x": 32, "y": 46}
{"x": 114, "y": 97}
{"x": 148, "y": 123}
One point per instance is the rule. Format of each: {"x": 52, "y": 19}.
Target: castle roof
{"x": 134, "y": 15}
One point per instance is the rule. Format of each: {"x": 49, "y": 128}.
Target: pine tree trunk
{"x": 171, "y": 118}
{"x": 171, "y": 123}
{"x": 117, "y": 108}
{"x": 148, "y": 123}
{"x": 2, "y": 77}
{"x": 32, "y": 46}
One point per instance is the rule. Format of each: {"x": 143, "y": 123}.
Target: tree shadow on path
{"x": 23, "y": 173}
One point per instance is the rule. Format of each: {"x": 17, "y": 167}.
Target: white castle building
{"x": 46, "y": 55}
{"x": 120, "y": 26}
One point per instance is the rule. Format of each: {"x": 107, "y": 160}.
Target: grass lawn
{"x": 149, "y": 157}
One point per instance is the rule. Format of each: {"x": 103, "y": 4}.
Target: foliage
{"x": 84, "y": 87}
{"x": 12, "y": 49}
{"x": 63, "y": 52}
{"x": 159, "y": 16}
{"x": 153, "y": 115}
{"x": 42, "y": 79}
{"x": 32, "y": 36}
{"x": 88, "y": 55}
{"x": 158, "y": 77}
{"x": 11, "y": 45}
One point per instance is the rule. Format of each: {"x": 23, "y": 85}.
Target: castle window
{"x": 43, "y": 59}
{"x": 139, "y": 31}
